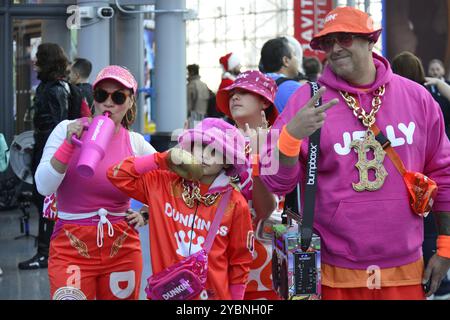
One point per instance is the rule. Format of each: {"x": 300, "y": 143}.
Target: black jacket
{"x": 87, "y": 93}
{"x": 50, "y": 105}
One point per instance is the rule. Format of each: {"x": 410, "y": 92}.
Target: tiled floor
{"x": 15, "y": 283}
{"x": 18, "y": 284}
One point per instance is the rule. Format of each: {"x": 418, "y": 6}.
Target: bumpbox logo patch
{"x": 312, "y": 164}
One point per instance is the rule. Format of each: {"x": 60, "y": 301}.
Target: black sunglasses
{"x": 118, "y": 97}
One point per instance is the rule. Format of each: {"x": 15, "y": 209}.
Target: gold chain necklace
{"x": 368, "y": 143}
{"x": 367, "y": 119}
{"x": 192, "y": 193}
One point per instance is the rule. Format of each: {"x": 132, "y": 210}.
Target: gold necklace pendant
{"x": 368, "y": 119}
{"x": 189, "y": 196}
{"x": 368, "y": 143}
{"x": 363, "y": 165}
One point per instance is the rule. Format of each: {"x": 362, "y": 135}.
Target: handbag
{"x": 186, "y": 279}
{"x": 422, "y": 189}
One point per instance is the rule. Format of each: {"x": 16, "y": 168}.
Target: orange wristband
{"x": 255, "y": 165}
{"x": 443, "y": 246}
{"x": 288, "y": 145}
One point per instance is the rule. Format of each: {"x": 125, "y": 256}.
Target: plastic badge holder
{"x": 296, "y": 274}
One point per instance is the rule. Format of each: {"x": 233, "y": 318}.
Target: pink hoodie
{"x": 371, "y": 228}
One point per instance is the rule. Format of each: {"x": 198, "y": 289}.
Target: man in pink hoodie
{"x": 371, "y": 238}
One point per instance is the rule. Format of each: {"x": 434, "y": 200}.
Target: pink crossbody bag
{"x": 186, "y": 279}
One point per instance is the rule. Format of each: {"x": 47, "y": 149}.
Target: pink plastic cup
{"x": 93, "y": 144}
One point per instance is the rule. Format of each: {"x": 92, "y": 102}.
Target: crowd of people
{"x": 368, "y": 211}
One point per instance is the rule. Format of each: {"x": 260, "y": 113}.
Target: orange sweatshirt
{"x": 171, "y": 223}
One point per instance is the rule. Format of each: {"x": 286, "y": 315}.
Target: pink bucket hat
{"x": 221, "y": 136}
{"x": 119, "y": 74}
{"x": 252, "y": 81}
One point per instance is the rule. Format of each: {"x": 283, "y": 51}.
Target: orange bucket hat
{"x": 348, "y": 20}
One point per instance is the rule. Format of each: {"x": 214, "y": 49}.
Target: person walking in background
{"x": 50, "y": 104}
{"x": 231, "y": 67}
{"x": 298, "y": 51}
{"x": 313, "y": 68}
{"x": 198, "y": 95}
{"x": 80, "y": 71}
{"x": 279, "y": 61}
{"x": 108, "y": 264}
{"x": 440, "y": 89}
{"x": 436, "y": 69}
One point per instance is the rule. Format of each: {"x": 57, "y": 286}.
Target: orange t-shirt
{"x": 177, "y": 231}
{"x": 407, "y": 275}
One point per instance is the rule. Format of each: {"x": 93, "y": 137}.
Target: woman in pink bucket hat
{"x": 184, "y": 188}
{"x": 257, "y": 85}
{"x": 108, "y": 262}
{"x": 249, "y": 101}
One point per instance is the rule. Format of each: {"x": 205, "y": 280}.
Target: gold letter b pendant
{"x": 364, "y": 165}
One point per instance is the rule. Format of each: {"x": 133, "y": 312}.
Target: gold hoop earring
{"x": 132, "y": 115}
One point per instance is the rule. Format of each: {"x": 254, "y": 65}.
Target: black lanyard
{"x": 306, "y": 227}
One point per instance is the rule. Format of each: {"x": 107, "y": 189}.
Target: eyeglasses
{"x": 118, "y": 97}
{"x": 342, "y": 39}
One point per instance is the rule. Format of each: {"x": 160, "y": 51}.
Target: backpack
{"x": 74, "y": 103}
{"x": 282, "y": 80}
